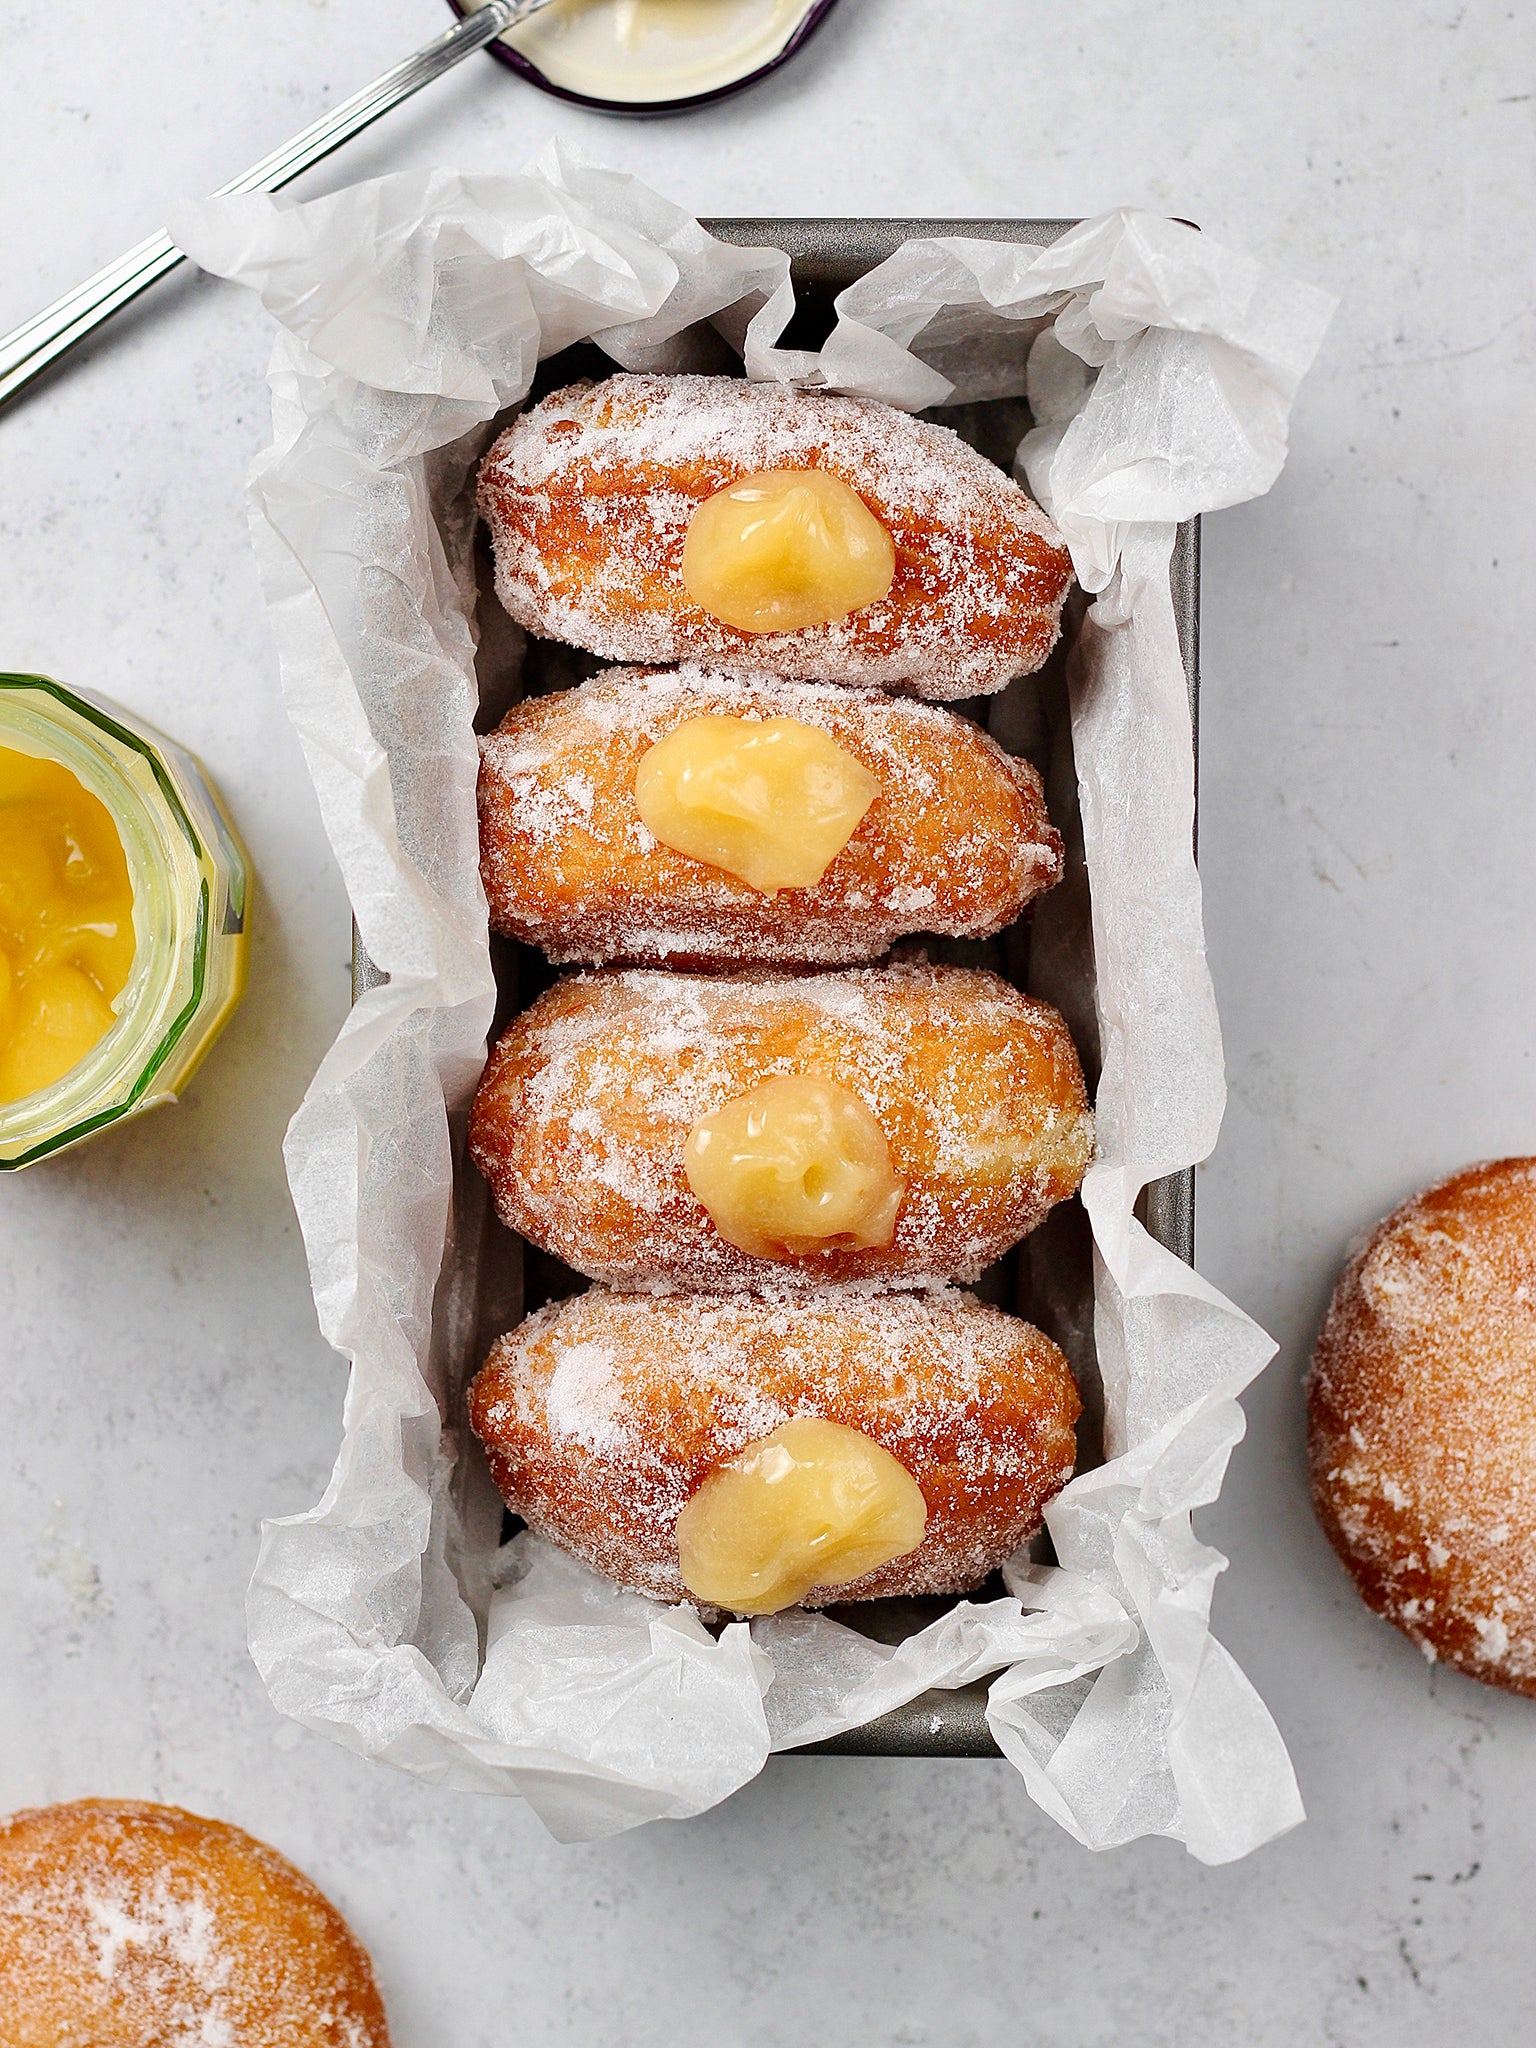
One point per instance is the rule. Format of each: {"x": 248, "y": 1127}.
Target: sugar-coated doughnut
{"x": 1422, "y": 1421}
{"x": 583, "y": 1117}
{"x": 601, "y": 1416}
{"x": 124, "y": 1925}
{"x": 956, "y": 841}
{"x": 589, "y": 495}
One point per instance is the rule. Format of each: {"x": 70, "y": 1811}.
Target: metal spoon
{"x": 28, "y": 350}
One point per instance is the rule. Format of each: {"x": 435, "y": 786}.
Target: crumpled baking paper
{"x": 1160, "y": 369}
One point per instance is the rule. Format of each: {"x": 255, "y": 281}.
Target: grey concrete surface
{"x": 1369, "y": 847}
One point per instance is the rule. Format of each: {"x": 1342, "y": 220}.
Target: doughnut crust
{"x": 124, "y": 1925}
{"x": 588, "y": 496}
{"x": 957, "y": 841}
{"x": 583, "y": 1113}
{"x": 1422, "y": 1421}
{"x": 601, "y": 1415}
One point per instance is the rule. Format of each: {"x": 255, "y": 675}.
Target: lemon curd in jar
{"x": 772, "y": 801}
{"x": 813, "y": 1504}
{"x": 66, "y": 922}
{"x": 122, "y": 917}
{"x": 786, "y": 549}
{"x": 796, "y": 1165}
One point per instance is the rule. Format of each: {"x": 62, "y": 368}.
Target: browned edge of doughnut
{"x": 957, "y": 843}
{"x": 582, "y": 1115}
{"x": 602, "y": 1414}
{"x": 296, "y": 1977}
{"x": 1390, "y": 1411}
{"x": 588, "y": 495}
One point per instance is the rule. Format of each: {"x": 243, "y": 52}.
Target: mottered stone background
{"x": 1369, "y": 850}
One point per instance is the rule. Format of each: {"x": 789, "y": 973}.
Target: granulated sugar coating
{"x": 1422, "y": 1413}
{"x": 956, "y": 842}
{"x": 131, "y": 1926}
{"x": 602, "y": 1415}
{"x": 588, "y": 496}
{"x": 582, "y": 1117}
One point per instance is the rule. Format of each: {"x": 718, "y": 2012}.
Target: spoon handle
{"x": 29, "y": 349}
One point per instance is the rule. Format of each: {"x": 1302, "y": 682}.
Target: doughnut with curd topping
{"x": 646, "y": 518}
{"x": 902, "y": 1123}
{"x": 942, "y": 831}
{"x": 606, "y": 1417}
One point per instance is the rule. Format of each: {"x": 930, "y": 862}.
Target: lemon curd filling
{"x": 786, "y": 549}
{"x": 772, "y": 801}
{"x": 812, "y": 1504}
{"x": 122, "y": 917}
{"x": 67, "y": 939}
{"x": 796, "y": 1165}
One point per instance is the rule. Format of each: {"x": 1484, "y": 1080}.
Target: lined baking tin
{"x": 1047, "y": 1279}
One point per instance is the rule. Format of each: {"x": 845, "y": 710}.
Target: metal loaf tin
{"x": 1049, "y": 1278}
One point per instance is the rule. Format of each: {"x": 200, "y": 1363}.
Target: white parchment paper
{"x": 1160, "y": 369}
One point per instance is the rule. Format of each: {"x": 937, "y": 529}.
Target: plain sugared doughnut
{"x": 124, "y": 1925}
{"x": 590, "y": 493}
{"x": 588, "y": 1115}
{"x": 956, "y": 840}
{"x": 603, "y": 1415}
{"x": 1422, "y": 1421}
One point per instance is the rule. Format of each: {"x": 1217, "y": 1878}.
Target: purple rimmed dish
{"x": 595, "y": 53}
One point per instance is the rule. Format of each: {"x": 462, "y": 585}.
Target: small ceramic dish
{"x": 654, "y": 56}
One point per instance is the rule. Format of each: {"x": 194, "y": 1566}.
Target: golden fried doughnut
{"x": 956, "y": 841}
{"x": 583, "y": 1118}
{"x": 1422, "y": 1421}
{"x": 590, "y": 494}
{"x": 124, "y": 1925}
{"x": 603, "y": 1416}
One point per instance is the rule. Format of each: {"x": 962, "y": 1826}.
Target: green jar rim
{"x": 95, "y": 713}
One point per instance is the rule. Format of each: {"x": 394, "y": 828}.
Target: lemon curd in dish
{"x": 122, "y": 917}
{"x": 67, "y": 938}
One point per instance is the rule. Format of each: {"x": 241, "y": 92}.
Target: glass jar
{"x": 190, "y": 881}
